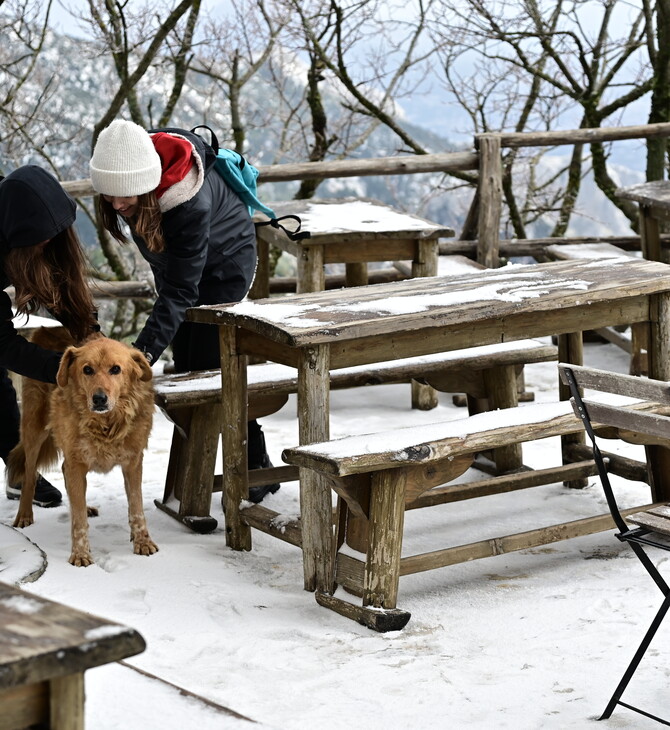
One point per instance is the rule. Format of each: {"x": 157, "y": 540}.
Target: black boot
{"x": 257, "y": 458}
{"x": 46, "y": 495}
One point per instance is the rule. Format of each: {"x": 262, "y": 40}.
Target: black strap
{"x": 296, "y": 235}
{"x": 214, "y": 142}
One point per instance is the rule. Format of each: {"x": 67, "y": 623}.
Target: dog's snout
{"x": 100, "y": 401}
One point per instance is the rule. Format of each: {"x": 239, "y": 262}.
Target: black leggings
{"x": 9, "y": 415}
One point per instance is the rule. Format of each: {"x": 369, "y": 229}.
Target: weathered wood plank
{"x": 508, "y": 543}
{"x": 609, "y": 382}
{"x": 655, "y": 522}
{"x": 381, "y": 620}
{"x": 272, "y": 523}
{"x": 503, "y": 484}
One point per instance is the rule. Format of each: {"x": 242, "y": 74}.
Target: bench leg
{"x": 190, "y": 476}
{"x": 387, "y": 519}
{"x": 571, "y": 350}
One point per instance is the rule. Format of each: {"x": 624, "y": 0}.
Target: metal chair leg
{"x": 637, "y": 658}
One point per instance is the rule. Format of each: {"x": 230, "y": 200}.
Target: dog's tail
{"x": 15, "y": 472}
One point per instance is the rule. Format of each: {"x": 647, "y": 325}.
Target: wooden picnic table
{"x": 350, "y": 231}
{"x": 45, "y": 648}
{"x": 654, "y": 201}
{"x": 316, "y": 332}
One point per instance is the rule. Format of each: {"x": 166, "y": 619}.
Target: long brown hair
{"x": 54, "y": 276}
{"x": 146, "y": 223}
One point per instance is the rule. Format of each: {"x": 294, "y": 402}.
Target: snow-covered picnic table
{"x": 351, "y": 231}
{"x": 316, "y": 332}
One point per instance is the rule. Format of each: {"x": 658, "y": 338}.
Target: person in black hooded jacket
{"x": 41, "y": 257}
{"x": 195, "y": 233}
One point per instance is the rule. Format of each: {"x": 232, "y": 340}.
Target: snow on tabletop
{"x": 102, "y": 632}
{"x": 22, "y": 604}
{"x": 516, "y": 290}
{"x": 593, "y": 251}
{"x": 360, "y": 216}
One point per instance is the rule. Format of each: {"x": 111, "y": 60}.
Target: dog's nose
{"x": 99, "y": 401}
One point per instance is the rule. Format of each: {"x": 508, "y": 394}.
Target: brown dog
{"x": 98, "y": 416}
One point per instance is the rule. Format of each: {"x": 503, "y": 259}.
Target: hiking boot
{"x": 258, "y": 494}
{"x": 257, "y": 458}
{"x": 46, "y": 495}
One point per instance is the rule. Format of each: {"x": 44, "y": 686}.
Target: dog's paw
{"x": 145, "y": 546}
{"x": 92, "y": 511}
{"x": 23, "y": 520}
{"x": 81, "y": 560}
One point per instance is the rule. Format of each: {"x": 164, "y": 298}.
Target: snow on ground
{"x": 534, "y": 639}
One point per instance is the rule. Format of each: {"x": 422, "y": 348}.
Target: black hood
{"x": 33, "y": 208}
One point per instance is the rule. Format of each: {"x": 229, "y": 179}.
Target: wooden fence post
{"x": 490, "y": 198}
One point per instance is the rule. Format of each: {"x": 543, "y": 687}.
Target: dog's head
{"x": 102, "y": 370}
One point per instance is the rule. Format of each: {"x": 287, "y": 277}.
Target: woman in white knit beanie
{"x": 194, "y": 231}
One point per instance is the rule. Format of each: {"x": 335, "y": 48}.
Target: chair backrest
{"x": 642, "y": 426}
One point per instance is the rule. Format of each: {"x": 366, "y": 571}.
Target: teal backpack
{"x": 240, "y": 176}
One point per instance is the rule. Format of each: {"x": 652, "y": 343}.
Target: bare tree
{"x": 562, "y": 65}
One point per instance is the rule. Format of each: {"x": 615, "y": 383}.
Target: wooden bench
{"x": 379, "y": 476}
{"x": 45, "y": 648}
{"x": 192, "y": 401}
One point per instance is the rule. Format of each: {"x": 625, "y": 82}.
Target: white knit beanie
{"x": 125, "y": 162}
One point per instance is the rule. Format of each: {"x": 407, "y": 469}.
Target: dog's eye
{"x": 88, "y": 370}
{"x": 115, "y": 370}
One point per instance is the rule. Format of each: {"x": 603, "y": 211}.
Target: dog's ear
{"x": 68, "y": 358}
{"x": 146, "y": 372}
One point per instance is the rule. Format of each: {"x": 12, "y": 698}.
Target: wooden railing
{"x": 486, "y": 160}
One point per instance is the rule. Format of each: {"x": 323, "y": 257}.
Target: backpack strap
{"x": 214, "y": 142}
{"x": 296, "y": 235}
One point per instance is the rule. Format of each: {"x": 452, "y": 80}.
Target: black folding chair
{"x": 646, "y": 425}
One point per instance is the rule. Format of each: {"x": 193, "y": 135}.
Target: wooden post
{"x": 311, "y": 275}
{"x": 658, "y": 457}
{"x": 315, "y": 495}
{"x": 424, "y": 398}
{"x": 234, "y": 438}
{"x": 490, "y": 199}
{"x": 570, "y": 349}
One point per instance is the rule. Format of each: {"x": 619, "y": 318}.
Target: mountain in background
{"x": 87, "y": 81}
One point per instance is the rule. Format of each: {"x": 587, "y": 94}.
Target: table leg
{"x": 311, "y": 276}
{"x": 234, "y": 437}
{"x": 658, "y": 457}
{"x": 571, "y": 350}
{"x": 316, "y": 512}
{"x": 260, "y": 288}
{"x": 424, "y": 398}
{"x": 356, "y": 274}
{"x": 67, "y": 702}
{"x": 650, "y": 235}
